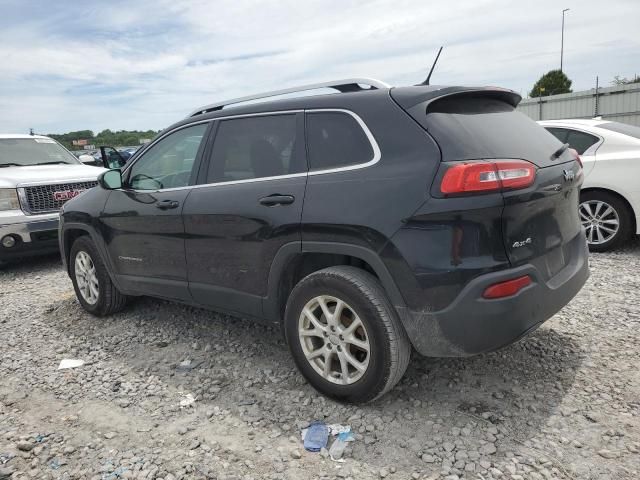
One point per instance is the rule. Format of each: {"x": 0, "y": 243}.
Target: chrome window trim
{"x": 230, "y": 182}
{"x": 377, "y": 154}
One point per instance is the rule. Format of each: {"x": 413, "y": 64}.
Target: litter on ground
{"x": 70, "y": 363}
{"x": 316, "y": 437}
{"x": 187, "y": 400}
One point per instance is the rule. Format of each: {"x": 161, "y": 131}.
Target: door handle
{"x": 167, "y": 204}
{"x": 277, "y": 199}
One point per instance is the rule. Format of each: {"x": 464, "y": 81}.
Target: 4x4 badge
{"x": 522, "y": 243}
{"x": 569, "y": 175}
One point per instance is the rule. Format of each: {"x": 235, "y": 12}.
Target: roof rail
{"x": 347, "y": 85}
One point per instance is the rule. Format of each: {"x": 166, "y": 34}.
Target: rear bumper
{"x": 33, "y": 235}
{"x": 473, "y": 325}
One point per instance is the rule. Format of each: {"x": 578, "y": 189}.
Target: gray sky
{"x": 140, "y": 64}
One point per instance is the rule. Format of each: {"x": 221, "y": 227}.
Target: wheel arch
{"x": 69, "y": 236}
{"x": 71, "y": 232}
{"x": 296, "y": 260}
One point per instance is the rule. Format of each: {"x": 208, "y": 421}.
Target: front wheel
{"x": 94, "y": 289}
{"x": 345, "y": 336}
{"x": 606, "y": 219}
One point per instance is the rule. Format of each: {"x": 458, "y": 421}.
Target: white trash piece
{"x": 336, "y": 428}
{"x": 70, "y": 363}
{"x": 187, "y": 401}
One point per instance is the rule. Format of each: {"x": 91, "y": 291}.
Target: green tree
{"x": 119, "y": 138}
{"x": 67, "y": 139}
{"x": 618, "y": 80}
{"x": 551, "y": 83}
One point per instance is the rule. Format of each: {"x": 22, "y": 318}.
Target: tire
{"x": 598, "y": 201}
{"x": 108, "y": 299}
{"x": 389, "y": 349}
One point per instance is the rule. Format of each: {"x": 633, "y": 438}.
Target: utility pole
{"x": 595, "y": 113}
{"x": 562, "y": 41}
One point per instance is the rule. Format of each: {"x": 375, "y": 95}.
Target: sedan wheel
{"x": 334, "y": 340}
{"x": 606, "y": 218}
{"x": 600, "y": 220}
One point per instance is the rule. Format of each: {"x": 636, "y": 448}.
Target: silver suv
{"x": 37, "y": 176}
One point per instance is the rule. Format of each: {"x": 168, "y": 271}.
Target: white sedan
{"x": 610, "y": 196}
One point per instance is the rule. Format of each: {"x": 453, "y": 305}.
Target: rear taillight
{"x": 508, "y": 288}
{"x": 487, "y": 176}
{"x": 576, "y": 156}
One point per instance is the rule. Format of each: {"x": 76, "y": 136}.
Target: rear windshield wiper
{"x": 11, "y": 164}
{"x": 560, "y": 151}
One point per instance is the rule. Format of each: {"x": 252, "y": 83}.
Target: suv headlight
{"x": 9, "y": 199}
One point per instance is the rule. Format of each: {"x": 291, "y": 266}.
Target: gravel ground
{"x": 562, "y": 403}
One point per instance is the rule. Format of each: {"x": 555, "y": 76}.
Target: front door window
{"x": 168, "y": 163}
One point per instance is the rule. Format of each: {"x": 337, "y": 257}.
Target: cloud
{"x": 145, "y": 64}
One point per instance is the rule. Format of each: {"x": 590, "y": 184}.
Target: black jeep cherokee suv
{"x": 366, "y": 222}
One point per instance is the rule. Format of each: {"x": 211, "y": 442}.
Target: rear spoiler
{"x": 408, "y": 97}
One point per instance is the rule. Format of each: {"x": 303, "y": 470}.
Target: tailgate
{"x": 539, "y": 219}
{"x": 540, "y": 222}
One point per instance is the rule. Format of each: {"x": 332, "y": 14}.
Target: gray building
{"x": 620, "y": 103}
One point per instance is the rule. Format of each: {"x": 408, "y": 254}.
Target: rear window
{"x": 559, "y": 133}
{"x": 630, "y": 130}
{"x": 335, "y": 140}
{"x": 471, "y": 127}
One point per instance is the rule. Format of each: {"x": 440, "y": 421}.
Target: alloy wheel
{"x": 600, "y": 220}
{"x": 86, "y": 277}
{"x": 334, "y": 340}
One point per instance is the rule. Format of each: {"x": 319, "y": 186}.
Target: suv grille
{"x": 49, "y": 198}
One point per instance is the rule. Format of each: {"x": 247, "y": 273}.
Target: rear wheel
{"x": 606, "y": 219}
{"x": 344, "y": 334}
{"x": 95, "y": 291}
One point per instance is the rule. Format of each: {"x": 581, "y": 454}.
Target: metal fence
{"x": 620, "y": 103}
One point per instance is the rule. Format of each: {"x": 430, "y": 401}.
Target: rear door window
{"x": 336, "y": 140}
{"x": 255, "y": 147}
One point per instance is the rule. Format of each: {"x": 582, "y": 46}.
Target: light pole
{"x": 562, "y": 41}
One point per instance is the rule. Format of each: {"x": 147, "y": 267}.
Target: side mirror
{"x": 110, "y": 180}
{"x": 111, "y": 158}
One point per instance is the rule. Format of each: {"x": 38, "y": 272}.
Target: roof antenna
{"x": 31, "y": 132}
{"x": 426, "y": 82}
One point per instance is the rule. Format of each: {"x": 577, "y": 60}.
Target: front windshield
{"x": 33, "y": 151}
